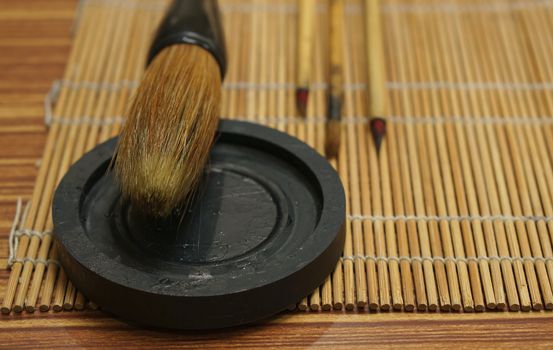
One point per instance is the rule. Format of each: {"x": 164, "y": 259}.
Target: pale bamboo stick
{"x": 83, "y": 106}
{"x": 244, "y": 57}
{"x": 311, "y": 137}
{"x": 448, "y": 286}
{"x": 281, "y": 105}
{"x": 297, "y": 130}
{"x": 389, "y": 279}
{"x": 80, "y": 301}
{"x": 49, "y": 281}
{"x": 452, "y": 184}
{"x": 354, "y": 66}
{"x": 460, "y": 106}
{"x": 543, "y": 71}
{"x": 394, "y": 134}
{"x": 402, "y": 191}
{"x": 353, "y": 105}
{"x": 292, "y": 128}
{"x": 503, "y": 233}
{"x": 319, "y": 98}
{"x": 543, "y": 176}
{"x": 423, "y": 273}
{"x": 234, "y": 25}
{"x": 524, "y": 272}
{"x": 261, "y": 110}
{"x": 406, "y": 289}
{"x": 230, "y": 27}
{"x": 304, "y": 60}
{"x": 59, "y": 291}
{"x": 450, "y": 232}
{"x": 77, "y": 52}
{"x": 531, "y": 167}
{"x": 338, "y": 280}
{"x": 410, "y": 105}
{"x": 45, "y": 202}
{"x": 253, "y": 66}
{"x": 272, "y": 63}
{"x": 69, "y": 296}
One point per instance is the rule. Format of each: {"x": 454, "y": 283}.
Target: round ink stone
{"x": 263, "y": 230}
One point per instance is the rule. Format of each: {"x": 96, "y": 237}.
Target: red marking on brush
{"x": 378, "y": 130}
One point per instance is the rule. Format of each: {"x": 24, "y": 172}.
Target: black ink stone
{"x": 264, "y": 229}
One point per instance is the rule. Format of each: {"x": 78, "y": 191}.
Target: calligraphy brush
{"x": 306, "y": 18}
{"x": 171, "y": 122}
{"x": 335, "y": 93}
{"x": 375, "y": 58}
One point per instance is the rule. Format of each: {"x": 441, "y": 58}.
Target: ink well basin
{"x": 265, "y": 228}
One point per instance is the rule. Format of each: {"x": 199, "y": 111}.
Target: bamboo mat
{"x": 455, "y": 213}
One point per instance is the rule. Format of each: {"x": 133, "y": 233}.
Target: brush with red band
{"x": 376, "y": 70}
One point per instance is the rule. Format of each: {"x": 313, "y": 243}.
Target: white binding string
{"x": 13, "y": 242}
{"x": 471, "y": 120}
{"x": 503, "y": 218}
{"x": 431, "y": 120}
{"x": 49, "y": 101}
{"x": 477, "y": 85}
{"x": 16, "y": 232}
{"x": 397, "y": 85}
{"x": 485, "y": 6}
{"x": 53, "y": 95}
{"x": 151, "y": 5}
{"x": 86, "y": 120}
{"x": 245, "y": 85}
{"x": 100, "y": 85}
{"x": 432, "y": 259}
{"x": 349, "y": 9}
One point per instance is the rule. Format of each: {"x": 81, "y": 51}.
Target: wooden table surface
{"x": 34, "y": 43}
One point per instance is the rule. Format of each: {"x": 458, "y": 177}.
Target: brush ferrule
{"x": 192, "y": 22}
{"x": 334, "y": 107}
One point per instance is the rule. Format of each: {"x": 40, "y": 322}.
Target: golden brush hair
{"x": 169, "y": 130}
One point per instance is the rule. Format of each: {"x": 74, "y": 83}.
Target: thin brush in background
{"x": 336, "y": 88}
{"x": 306, "y": 18}
{"x": 376, "y": 71}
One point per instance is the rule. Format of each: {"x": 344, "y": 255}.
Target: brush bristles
{"x": 169, "y": 130}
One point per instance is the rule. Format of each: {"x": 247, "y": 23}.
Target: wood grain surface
{"x": 35, "y": 39}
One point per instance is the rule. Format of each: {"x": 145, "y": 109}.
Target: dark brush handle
{"x": 196, "y": 22}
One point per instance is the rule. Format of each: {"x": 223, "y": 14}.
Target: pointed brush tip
{"x": 378, "y": 142}
{"x": 378, "y": 130}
